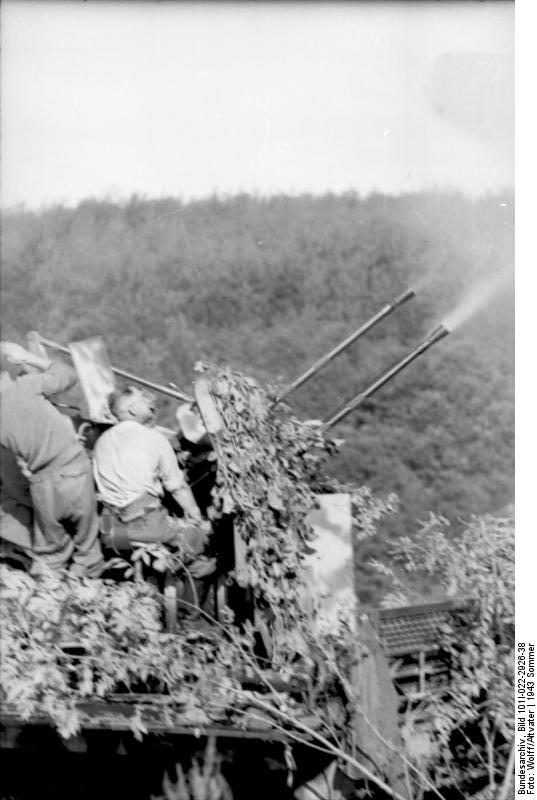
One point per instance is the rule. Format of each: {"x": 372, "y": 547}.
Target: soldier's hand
{"x": 201, "y": 524}
{"x": 202, "y": 567}
{"x": 14, "y": 352}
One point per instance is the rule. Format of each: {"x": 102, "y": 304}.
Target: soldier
{"x": 43, "y": 444}
{"x": 133, "y": 465}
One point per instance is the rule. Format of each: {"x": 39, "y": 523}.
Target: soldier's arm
{"x": 21, "y": 357}
{"x": 173, "y": 480}
{"x": 186, "y": 500}
{"x": 51, "y": 376}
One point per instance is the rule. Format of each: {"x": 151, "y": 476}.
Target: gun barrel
{"x": 435, "y": 336}
{"x": 324, "y": 360}
{"x": 156, "y": 387}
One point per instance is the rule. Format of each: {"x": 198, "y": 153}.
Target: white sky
{"x": 192, "y": 98}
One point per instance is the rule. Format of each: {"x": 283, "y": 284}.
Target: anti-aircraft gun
{"x": 98, "y": 379}
{"x": 403, "y": 635}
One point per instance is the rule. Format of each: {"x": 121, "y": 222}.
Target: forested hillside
{"x": 267, "y": 286}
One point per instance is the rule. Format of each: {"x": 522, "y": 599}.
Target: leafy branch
{"x": 470, "y": 719}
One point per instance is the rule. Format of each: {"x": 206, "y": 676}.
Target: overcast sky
{"x": 189, "y": 99}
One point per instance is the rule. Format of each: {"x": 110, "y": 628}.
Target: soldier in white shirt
{"x": 133, "y": 464}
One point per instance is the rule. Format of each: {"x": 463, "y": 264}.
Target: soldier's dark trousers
{"x": 151, "y": 524}
{"x": 65, "y": 518}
